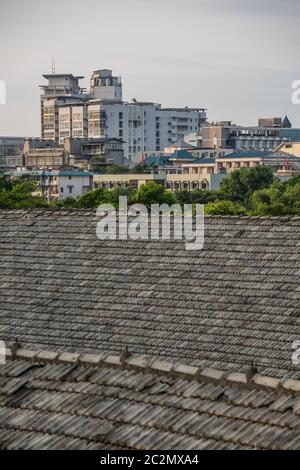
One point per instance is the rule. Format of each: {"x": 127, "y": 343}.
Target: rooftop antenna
{"x": 53, "y": 66}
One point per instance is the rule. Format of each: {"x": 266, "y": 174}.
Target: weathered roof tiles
{"x": 233, "y": 303}
{"x": 109, "y": 402}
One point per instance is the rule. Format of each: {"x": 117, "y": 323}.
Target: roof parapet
{"x": 249, "y": 379}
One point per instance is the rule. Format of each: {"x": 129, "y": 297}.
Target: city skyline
{"x": 238, "y": 62}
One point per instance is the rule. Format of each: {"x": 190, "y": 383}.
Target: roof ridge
{"x": 92, "y": 210}
{"x": 249, "y": 379}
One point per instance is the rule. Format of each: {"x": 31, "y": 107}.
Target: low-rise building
{"x": 183, "y": 171}
{"x": 241, "y": 138}
{"x": 293, "y": 148}
{"x": 269, "y": 133}
{"x": 191, "y": 181}
{"x": 11, "y": 149}
{"x": 45, "y": 158}
{"x": 11, "y": 145}
{"x": 182, "y": 155}
{"x": 278, "y": 161}
{"x": 10, "y": 161}
{"x": 95, "y": 152}
{"x": 127, "y": 180}
{"x": 59, "y": 184}
{"x": 173, "y": 180}
{"x": 82, "y": 153}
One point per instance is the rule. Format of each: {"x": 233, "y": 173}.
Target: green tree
{"x": 99, "y": 196}
{"x": 26, "y": 188}
{"x": 94, "y": 198}
{"x": 70, "y": 202}
{"x": 115, "y": 193}
{"x": 279, "y": 199}
{"x": 5, "y": 183}
{"x": 241, "y": 184}
{"x": 137, "y": 169}
{"x": 117, "y": 169}
{"x": 109, "y": 169}
{"x": 197, "y": 196}
{"x": 153, "y": 193}
{"x": 224, "y": 208}
{"x": 21, "y": 197}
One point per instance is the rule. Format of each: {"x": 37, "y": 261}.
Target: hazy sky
{"x": 237, "y": 58}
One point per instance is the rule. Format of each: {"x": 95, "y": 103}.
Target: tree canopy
{"x": 241, "y": 184}
{"x": 252, "y": 191}
{"x": 154, "y": 193}
{"x": 21, "y": 196}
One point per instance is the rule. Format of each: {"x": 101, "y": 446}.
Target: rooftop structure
{"x": 104, "y": 86}
{"x": 65, "y": 84}
{"x": 274, "y": 122}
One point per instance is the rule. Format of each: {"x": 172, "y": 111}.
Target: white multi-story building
{"x": 59, "y": 184}
{"x": 67, "y": 111}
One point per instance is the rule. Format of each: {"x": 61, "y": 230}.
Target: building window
{"x": 70, "y": 189}
{"x": 61, "y": 190}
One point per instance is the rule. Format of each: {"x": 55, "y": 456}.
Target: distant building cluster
{"x": 84, "y": 131}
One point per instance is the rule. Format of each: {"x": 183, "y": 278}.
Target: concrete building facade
{"x": 172, "y": 181}
{"x": 11, "y": 146}
{"x": 241, "y": 138}
{"x": 82, "y": 153}
{"x": 293, "y": 148}
{"x": 279, "y": 162}
{"x": 67, "y": 111}
{"x": 62, "y": 90}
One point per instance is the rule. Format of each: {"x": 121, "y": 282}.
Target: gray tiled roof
{"x": 53, "y": 401}
{"x": 233, "y": 302}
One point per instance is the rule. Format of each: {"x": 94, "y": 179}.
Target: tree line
{"x": 247, "y": 191}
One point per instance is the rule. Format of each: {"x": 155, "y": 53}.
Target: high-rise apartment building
{"x": 69, "y": 112}
{"x": 62, "y": 91}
